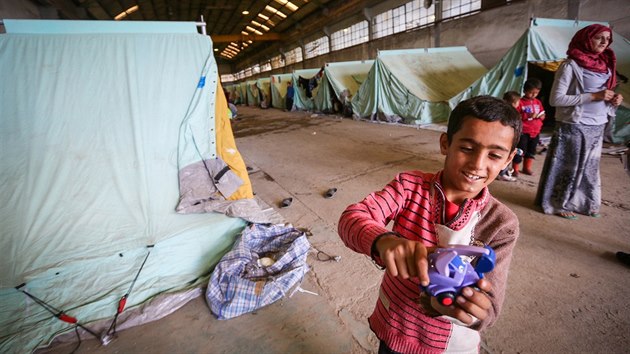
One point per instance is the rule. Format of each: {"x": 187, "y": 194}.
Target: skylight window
{"x": 288, "y": 4}
{"x": 266, "y": 19}
{"x": 260, "y": 25}
{"x": 124, "y": 14}
{"x": 251, "y": 29}
{"x": 275, "y": 11}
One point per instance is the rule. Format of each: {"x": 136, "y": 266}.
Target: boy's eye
{"x": 466, "y": 149}
{"x": 496, "y": 156}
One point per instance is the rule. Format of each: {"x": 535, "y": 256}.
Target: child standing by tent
{"x": 452, "y": 206}
{"x": 514, "y": 99}
{"x": 533, "y": 114}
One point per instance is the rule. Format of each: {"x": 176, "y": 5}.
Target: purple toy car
{"x": 449, "y": 273}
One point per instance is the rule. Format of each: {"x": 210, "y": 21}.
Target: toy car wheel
{"x": 446, "y": 299}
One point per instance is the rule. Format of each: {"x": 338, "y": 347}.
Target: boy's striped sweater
{"x": 415, "y": 202}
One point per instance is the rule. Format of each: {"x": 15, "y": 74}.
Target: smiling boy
{"x": 452, "y": 206}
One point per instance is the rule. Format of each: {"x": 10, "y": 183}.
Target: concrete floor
{"x": 566, "y": 292}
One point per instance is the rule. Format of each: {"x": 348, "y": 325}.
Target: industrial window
{"x": 277, "y": 62}
{"x": 293, "y": 56}
{"x": 317, "y": 47}
{"x": 418, "y": 15}
{"x": 402, "y": 18}
{"x": 240, "y": 75}
{"x": 265, "y": 67}
{"x": 248, "y": 72}
{"x": 347, "y": 37}
{"x": 255, "y": 69}
{"x": 227, "y": 78}
{"x": 459, "y": 8}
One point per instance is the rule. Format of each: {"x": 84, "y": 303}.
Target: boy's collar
{"x": 481, "y": 198}
{"x": 467, "y": 209}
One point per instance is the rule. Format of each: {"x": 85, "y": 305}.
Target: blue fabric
{"x": 239, "y": 284}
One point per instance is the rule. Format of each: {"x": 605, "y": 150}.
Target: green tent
{"x": 387, "y": 93}
{"x": 93, "y": 163}
{"x": 241, "y": 93}
{"x": 253, "y": 95}
{"x": 264, "y": 87}
{"x": 304, "y": 100}
{"x": 279, "y": 89}
{"x": 413, "y": 86}
{"x": 231, "y": 90}
{"x": 340, "y": 82}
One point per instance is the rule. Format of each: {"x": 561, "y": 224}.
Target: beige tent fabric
{"x": 434, "y": 75}
{"x": 548, "y": 65}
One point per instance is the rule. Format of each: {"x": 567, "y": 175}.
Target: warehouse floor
{"x": 566, "y": 292}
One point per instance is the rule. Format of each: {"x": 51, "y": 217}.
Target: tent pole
{"x": 202, "y": 24}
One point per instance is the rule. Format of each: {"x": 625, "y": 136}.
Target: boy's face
{"x": 516, "y": 103}
{"x": 533, "y": 93}
{"x": 478, "y": 152}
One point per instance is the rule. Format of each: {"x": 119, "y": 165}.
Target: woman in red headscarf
{"x": 584, "y": 97}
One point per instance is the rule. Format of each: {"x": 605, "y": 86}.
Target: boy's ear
{"x": 443, "y": 144}
{"x": 510, "y": 158}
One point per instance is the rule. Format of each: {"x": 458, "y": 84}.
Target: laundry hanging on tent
{"x": 308, "y": 85}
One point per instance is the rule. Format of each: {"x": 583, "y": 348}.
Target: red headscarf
{"x": 581, "y": 51}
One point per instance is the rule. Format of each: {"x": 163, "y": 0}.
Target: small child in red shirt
{"x": 533, "y": 115}
{"x": 514, "y": 99}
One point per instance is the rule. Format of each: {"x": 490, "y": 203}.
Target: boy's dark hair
{"x": 511, "y": 97}
{"x": 532, "y": 83}
{"x": 488, "y": 109}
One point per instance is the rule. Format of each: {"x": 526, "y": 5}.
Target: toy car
{"x": 449, "y": 272}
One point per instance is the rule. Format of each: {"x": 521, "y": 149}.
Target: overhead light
{"x": 245, "y": 33}
{"x": 256, "y": 23}
{"x": 216, "y": 49}
{"x": 245, "y": 12}
{"x": 124, "y": 14}
{"x": 250, "y": 42}
{"x": 263, "y": 17}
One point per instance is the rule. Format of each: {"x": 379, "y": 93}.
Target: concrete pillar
{"x": 573, "y": 9}
{"x": 368, "y": 16}
{"x": 326, "y": 30}
{"x": 438, "y": 23}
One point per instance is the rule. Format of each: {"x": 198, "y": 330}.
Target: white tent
{"x": 106, "y": 128}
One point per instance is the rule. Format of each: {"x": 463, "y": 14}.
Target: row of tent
{"x": 422, "y": 86}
